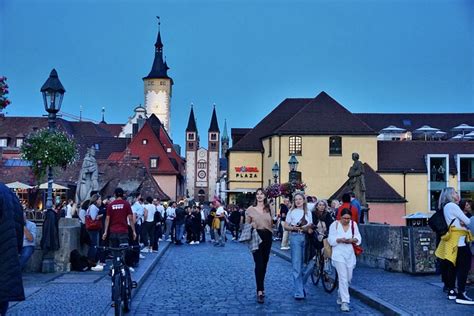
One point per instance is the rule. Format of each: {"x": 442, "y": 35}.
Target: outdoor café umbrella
{"x": 426, "y": 129}
{"x": 392, "y": 129}
{"x": 439, "y": 134}
{"x": 44, "y": 186}
{"x": 463, "y": 128}
{"x": 470, "y": 135}
{"x": 457, "y": 137}
{"x": 18, "y": 185}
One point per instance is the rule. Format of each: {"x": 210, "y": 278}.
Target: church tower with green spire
{"x": 224, "y": 141}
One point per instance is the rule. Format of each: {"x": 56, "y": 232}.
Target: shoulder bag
{"x": 92, "y": 224}
{"x": 358, "y": 250}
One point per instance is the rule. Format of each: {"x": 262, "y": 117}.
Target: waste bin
{"x": 419, "y": 245}
{"x": 417, "y": 219}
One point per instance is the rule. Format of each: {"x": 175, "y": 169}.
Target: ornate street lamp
{"x": 276, "y": 171}
{"x": 294, "y": 175}
{"x": 293, "y": 163}
{"x": 53, "y": 93}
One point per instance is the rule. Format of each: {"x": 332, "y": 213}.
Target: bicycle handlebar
{"x": 120, "y": 248}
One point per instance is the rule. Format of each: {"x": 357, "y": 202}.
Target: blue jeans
{"x": 92, "y": 252}
{"x": 179, "y": 232}
{"x": 25, "y": 255}
{"x": 300, "y": 272}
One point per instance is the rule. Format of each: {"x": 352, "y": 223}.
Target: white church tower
{"x": 158, "y": 86}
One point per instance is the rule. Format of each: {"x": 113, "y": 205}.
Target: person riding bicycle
{"x": 119, "y": 213}
{"x": 321, "y": 220}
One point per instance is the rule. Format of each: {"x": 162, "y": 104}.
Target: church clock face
{"x": 202, "y": 174}
{"x": 202, "y": 154}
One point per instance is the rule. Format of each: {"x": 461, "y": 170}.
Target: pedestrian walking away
{"x": 343, "y": 234}
{"x": 259, "y": 216}
{"x": 298, "y": 222}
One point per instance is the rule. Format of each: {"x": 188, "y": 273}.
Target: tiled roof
{"x": 14, "y": 126}
{"x": 412, "y": 121}
{"x": 377, "y": 189}
{"x": 324, "y": 116}
{"x": 238, "y": 133}
{"x": 251, "y": 141}
{"x": 104, "y": 145}
{"x": 113, "y": 129}
{"x": 409, "y": 156}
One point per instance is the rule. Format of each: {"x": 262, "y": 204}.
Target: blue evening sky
{"x": 245, "y": 56}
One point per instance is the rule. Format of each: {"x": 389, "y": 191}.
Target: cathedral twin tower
{"x": 202, "y": 165}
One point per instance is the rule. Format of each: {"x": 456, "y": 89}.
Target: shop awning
{"x": 18, "y": 185}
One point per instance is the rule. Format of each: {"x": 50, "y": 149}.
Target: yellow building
{"x": 323, "y": 134}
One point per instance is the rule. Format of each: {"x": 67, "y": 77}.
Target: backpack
{"x": 438, "y": 224}
{"x": 78, "y": 261}
{"x": 157, "y": 218}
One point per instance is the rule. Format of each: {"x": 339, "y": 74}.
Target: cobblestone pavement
{"x": 202, "y": 279}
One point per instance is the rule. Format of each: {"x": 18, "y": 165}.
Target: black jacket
{"x": 11, "y": 242}
{"x": 180, "y": 216}
{"x": 50, "y": 237}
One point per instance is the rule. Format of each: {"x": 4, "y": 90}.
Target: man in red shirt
{"x": 346, "y": 203}
{"x": 117, "y": 214}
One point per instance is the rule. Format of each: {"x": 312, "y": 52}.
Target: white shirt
{"x": 138, "y": 210}
{"x": 32, "y": 229}
{"x": 151, "y": 210}
{"x": 170, "y": 213}
{"x": 343, "y": 252}
{"x": 160, "y": 209}
{"x": 311, "y": 206}
{"x": 93, "y": 211}
{"x": 220, "y": 210}
{"x": 295, "y": 215}
{"x": 82, "y": 215}
{"x": 69, "y": 211}
{"x": 453, "y": 211}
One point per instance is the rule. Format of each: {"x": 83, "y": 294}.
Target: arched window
{"x": 335, "y": 146}
{"x": 202, "y": 164}
{"x": 295, "y": 145}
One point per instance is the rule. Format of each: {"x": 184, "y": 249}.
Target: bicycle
{"x": 122, "y": 283}
{"x": 323, "y": 269}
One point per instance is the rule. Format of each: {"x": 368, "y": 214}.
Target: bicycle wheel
{"x": 317, "y": 269}
{"x": 127, "y": 292}
{"x": 117, "y": 294}
{"x": 329, "y": 276}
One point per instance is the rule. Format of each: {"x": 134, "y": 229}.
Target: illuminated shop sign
{"x": 246, "y": 172}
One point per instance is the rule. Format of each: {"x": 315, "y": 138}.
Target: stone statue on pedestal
{"x": 357, "y": 179}
{"x": 88, "y": 177}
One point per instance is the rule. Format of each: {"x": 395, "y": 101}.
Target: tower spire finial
{"x": 103, "y": 115}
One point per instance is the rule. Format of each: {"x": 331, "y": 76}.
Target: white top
{"x": 32, "y": 229}
{"x": 68, "y": 211}
{"x": 170, "y": 213}
{"x": 311, "y": 206}
{"x": 93, "y": 211}
{"x": 220, "y": 210}
{"x": 295, "y": 215}
{"x": 343, "y": 252}
{"x": 82, "y": 215}
{"x": 160, "y": 209}
{"x": 151, "y": 210}
{"x": 138, "y": 210}
{"x": 453, "y": 211}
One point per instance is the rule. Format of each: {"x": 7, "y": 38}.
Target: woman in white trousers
{"x": 342, "y": 235}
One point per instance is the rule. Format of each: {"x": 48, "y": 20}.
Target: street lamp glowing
{"x": 293, "y": 163}
{"x": 53, "y": 93}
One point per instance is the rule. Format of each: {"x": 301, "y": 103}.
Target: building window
{"x": 191, "y": 136}
{"x": 213, "y": 136}
{"x": 202, "y": 164}
{"x": 213, "y": 146}
{"x": 3, "y": 142}
{"x": 438, "y": 168}
{"x": 19, "y": 142}
{"x": 295, "y": 145}
{"x": 466, "y": 176}
{"x": 153, "y": 162}
{"x": 190, "y": 146}
{"x": 96, "y": 146}
{"x": 144, "y": 141}
{"x": 335, "y": 146}
{"x": 270, "y": 147}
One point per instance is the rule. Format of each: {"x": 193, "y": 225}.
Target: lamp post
{"x": 294, "y": 175}
{"x": 53, "y": 93}
{"x": 275, "y": 172}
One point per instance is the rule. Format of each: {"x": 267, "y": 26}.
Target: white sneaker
{"x": 196, "y": 243}
{"x": 131, "y": 269}
{"x": 142, "y": 256}
{"x": 464, "y": 299}
{"x": 345, "y": 307}
{"x": 169, "y": 239}
{"x": 97, "y": 268}
{"x": 159, "y": 239}
{"x": 285, "y": 248}
{"x": 144, "y": 250}
{"x": 338, "y": 301}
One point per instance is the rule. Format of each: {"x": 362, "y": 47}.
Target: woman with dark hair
{"x": 258, "y": 215}
{"x": 466, "y": 207}
{"x": 343, "y": 234}
{"x": 299, "y": 221}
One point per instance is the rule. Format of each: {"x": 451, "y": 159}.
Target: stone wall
{"x": 384, "y": 247}
{"x": 69, "y": 239}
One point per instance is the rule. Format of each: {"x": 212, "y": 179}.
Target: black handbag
{"x": 438, "y": 224}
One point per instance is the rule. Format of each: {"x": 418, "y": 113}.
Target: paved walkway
{"x": 202, "y": 279}
{"x": 401, "y": 292}
{"x": 74, "y": 293}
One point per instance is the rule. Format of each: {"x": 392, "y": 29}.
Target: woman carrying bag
{"x": 258, "y": 215}
{"x": 299, "y": 221}
{"x": 344, "y": 237}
